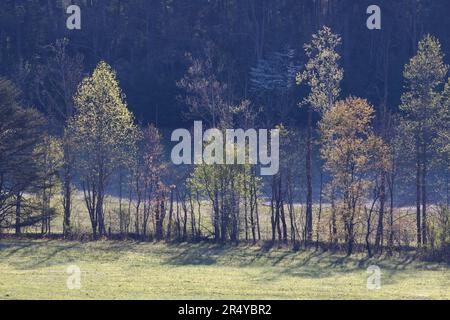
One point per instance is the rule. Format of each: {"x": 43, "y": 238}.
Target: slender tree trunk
{"x": 185, "y": 219}
{"x": 158, "y": 224}
{"x": 169, "y": 224}
{"x": 245, "y": 205}
{"x": 199, "y": 208}
{"x": 192, "y": 213}
{"x": 100, "y": 216}
{"x": 67, "y": 198}
{"x": 281, "y": 206}
{"x": 252, "y": 210}
{"x": 320, "y": 211}
{"x": 223, "y": 215}
{"x": 380, "y": 227}
{"x": 44, "y": 224}
{"x": 368, "y": 231}
{"x": 272, "y": 211}
{"x": 216, "y": 210}
{"x": 424, "y": 196}
{"x": 391, "y": 214}
{"x": 418, "y": 197}
{"x": 137, "y": 221}
{"x": 255, "y": 193}
{"x": 121, "y": 218}
{"x": 333, "y": 218}
{"x": 309, "y": 190}
{"x": 178, "y": 216}
{"x": 18, "y": 209}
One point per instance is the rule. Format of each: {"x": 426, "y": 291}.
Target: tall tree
{"x": 352, "y": 153}
{"x": 55, "y": 84}
{"x": 323, "y": 76}
{"x": 20, "y": 131}
{"x": 423, "y": 104}
{"x": 48, "y": 156}
{"x": 103, "y": 134}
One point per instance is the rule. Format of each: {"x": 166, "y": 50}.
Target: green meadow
{"x": 37, "y": 269}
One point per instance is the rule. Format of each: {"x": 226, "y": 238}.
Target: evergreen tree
{"x": 424, "y": 110}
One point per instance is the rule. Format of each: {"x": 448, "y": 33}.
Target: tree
{"x": 205, "y": 94}
{"x": 20, "y": 131}
{"x": 323, "y": 76}
{"x": 48, "y": 156}
{"x": 147, "y": 179}
{"x": 54, "y": 86}
{"x": 104, "y": 136}
{"x": 424, "y": 112}
{"x": 352, "y": 153}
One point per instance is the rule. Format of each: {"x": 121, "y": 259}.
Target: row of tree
{"x": 92, "y": 141}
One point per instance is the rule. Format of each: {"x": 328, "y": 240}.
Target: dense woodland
{"x": 86, "y": 115}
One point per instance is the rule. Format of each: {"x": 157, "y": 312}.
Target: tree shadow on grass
{"x": 196, "y": 254}
{"x": 39, "y": 254}
{"x": 15, "y": 248}
{"x": 24, "y": 255}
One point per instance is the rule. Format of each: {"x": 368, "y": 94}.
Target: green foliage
{"x": 103, "y": 137}
{"x": 424, "y": 103}
{"x": 20, "y": 130}
{"x": 102, "y": 130}
{"x": 48, "y": 156}
{"x": 323, "y": 74}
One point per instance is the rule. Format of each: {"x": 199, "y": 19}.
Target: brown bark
{"x": 380, "y": 227}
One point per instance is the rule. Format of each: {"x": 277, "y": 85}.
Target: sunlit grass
{"x": 128, "y": 270}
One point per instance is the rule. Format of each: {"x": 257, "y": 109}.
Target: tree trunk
{"x": 424, "y": 196}
{"x": 368, "y": 231}
{"x": 281, "y": 206}
{"x": 199, "y": 208}
{"x": 333, "y": 219}
{"x": 391, "y": 214}
{"x": 121, "y": 218}
{"x": 216, "y": 210}
{"x": 309, "y": 201}
{"x": 245, "y": 205}
{"x": 169, "y": 224}
{"x": 272, "y": 211}
{"x": 100, "y": 217}
{"x": 18, "y": 209}
{"x": 418, "y": 198}
{"x": 320, "y": 211}
{"x": 380, "y": 227}
{"x": 67, "y": 197}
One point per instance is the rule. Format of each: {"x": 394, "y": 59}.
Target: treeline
{"x": 100, "y": 146}
{"x": 348, "y": 161}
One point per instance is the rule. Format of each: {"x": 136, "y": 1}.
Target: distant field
{"x": 128, "y": 270}
{"x": 404, "y": 221}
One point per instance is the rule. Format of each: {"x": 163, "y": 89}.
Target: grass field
{"x": 37, "y": 269}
